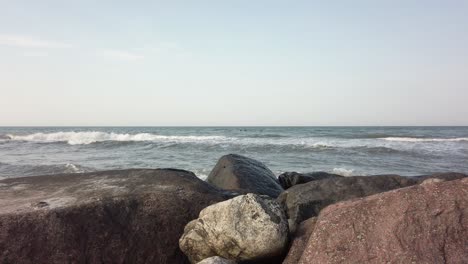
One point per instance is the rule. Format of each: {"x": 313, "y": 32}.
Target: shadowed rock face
{"x": 299, "y": 241}
{"x": 125, "y": 216}
{"x": 289, "y": 179}
{"x": 306, "y": 200}
{"x": 235, "y": 172}
{"x": 420, "y": 224}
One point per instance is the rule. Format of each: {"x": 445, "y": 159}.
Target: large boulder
{"x": 419, "y": 224}
{"x": 247, "y": 227}
{"x": 123, "y": 216}
{"x": 289, "y": 179}
{"x": 236, "y": 172}
{"x": 306, "y": 200}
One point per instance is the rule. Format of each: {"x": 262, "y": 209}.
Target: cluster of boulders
{"x": 243, "y": 213}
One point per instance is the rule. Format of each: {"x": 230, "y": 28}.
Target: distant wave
{"x": 112, "y": 139}
{"x": 377, "y": 149}
{"x": 84, "y": 138}
{"x": 412, "y": 139}
{"x": 266, "y": 136}
{"x": 80, "y": 138}
{"x": 370, "y": 136}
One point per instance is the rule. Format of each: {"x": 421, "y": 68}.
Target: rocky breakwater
{"x": 171, "y": 216}
{"x": 124, "y": 216}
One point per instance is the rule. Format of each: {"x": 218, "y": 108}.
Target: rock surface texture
{"x": 289, "y": 179}
{"x": 126, "y": 216}
{"x": 299, "y": 241}
{"x": 247, "y": 227}
{"x": 235, "y": 172}
{"x": 420, "y": 224}
{"x": 306, "y": 200}
{"x": 217, "y": 260}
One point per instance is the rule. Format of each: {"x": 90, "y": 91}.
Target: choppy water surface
{"x": 344, "y": 150}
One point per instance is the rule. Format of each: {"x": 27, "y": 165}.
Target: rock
{"x": 235, "y": 172}
{"x": 289, "y": 179}
{"x": 217, "y": 260}
{"x": 431, "y": 181}
{"x": 124, "y": 216}
{"x": 419, "y": 224}
{"x": 247, "y": 227}
{"x": 299, "y": 241}
{"x": 306, "y": 200}
{"x": 448, "y": 176}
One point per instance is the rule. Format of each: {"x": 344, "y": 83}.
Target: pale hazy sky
{"x": 91, "y": 62}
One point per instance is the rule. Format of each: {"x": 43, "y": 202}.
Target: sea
{"x": 349, "y": 151}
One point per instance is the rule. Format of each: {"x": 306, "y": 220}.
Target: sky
{"x": 229, "y": 63}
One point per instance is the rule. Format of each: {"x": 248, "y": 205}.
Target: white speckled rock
{"x": 217, "y": 260}
{"x": 247, "y": 227}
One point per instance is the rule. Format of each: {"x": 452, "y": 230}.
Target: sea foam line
{"x": 79, "y": 138}
{"x": 83, "y": 138}
{"x": 410, "y": 139}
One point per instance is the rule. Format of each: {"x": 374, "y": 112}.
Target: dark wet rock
{"x": 245, "y": 228}
{"x": 306, "y": 200}
{"x": 419, "y": 224}
{"x": 235, "y": 172}
{"x": 125, "y": 216}
{"x": 448, "y": 176}
{"x": 289, "y": 179}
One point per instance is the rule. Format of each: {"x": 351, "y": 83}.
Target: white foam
{"x": 343, "y": 172}
{"x": 410, "y": 139}
{"x": 78, "y": 138}
{"x": 83, "y": 138}
{"x": 70, "y": 167}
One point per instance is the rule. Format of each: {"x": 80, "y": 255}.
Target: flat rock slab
{"x": 123, "y": 216}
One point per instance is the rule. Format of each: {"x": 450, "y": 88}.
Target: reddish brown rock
{"x": 419, "y": 224}
{"x": 299, "y": 240}
{"x": 306, "y": 200}
{"x": 127, "y": 216}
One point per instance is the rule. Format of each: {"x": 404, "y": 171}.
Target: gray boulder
{"x": 235, "y": 172}
{"x": 306, "y": 200}
{"x": 122, "y": 216}
{"x": 289, "y": 179}
{"x": 244, "y": 228}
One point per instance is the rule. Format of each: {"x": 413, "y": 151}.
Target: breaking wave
{"x": 83, "y": 138}
{"x": 412, "y": 139}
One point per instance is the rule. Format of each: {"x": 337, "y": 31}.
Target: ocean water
{"x": 28, "y": 151}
